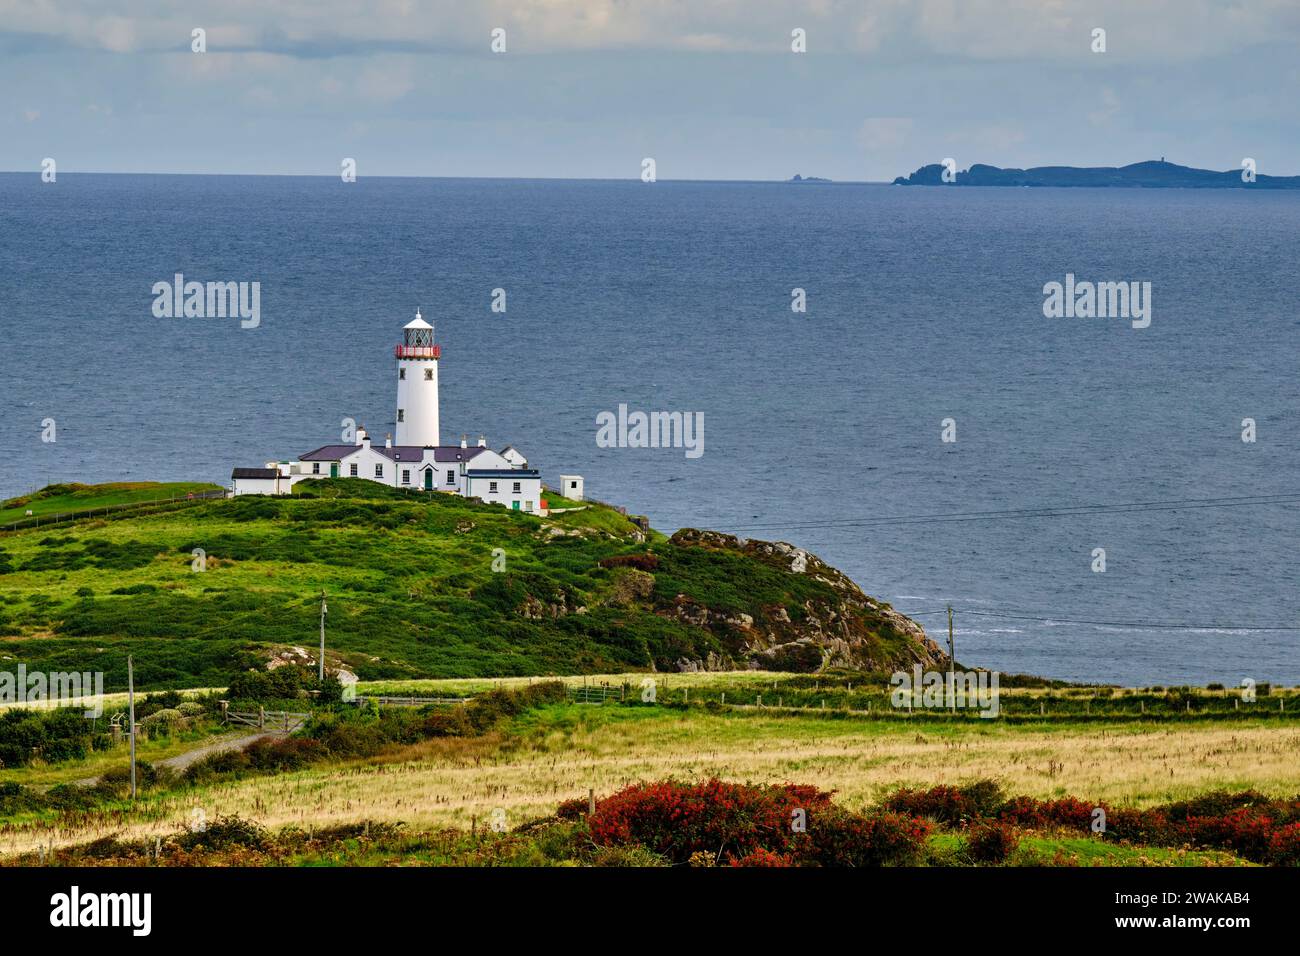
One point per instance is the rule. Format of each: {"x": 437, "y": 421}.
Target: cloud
{"x": 978, "y": 29}
{"x": 884, "y": 132}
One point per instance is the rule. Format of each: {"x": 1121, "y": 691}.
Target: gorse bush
{"x": 991, "y": 843}
{"x": 715, "y": 822}
{"x": 841, "y": 839}
{"x": 677, "y": 820}
{"x": 1247, "y": 823}
{"x": 952, "y": 806}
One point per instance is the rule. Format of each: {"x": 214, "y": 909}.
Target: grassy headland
{"x": 418, "y": 586}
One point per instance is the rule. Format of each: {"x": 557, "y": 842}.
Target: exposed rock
{"x": 846, "y": 628}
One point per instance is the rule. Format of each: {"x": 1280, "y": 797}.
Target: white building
{"x": 257, "y": 481}
{"x": 417, "y": 460}
{"x": 571, "y": 486}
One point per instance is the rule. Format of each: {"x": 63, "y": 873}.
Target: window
{"x": 517, "y": 487}
{"x": 352, "y": 470}
{"x": 401, "y": 373}
{"x": 428, "y": 375}
{"x": 451, "y": 477}
{"x": 528, "y": 506}
{"x": 492, "y": 487}
{"x": 379, "y": 471}
{"x": 401, "y": 414}
{"x": 573, "y": 485}
{"x": 406, "y": 476}
{"x": 315, "y": 468}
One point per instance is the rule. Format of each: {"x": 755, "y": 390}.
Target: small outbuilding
{"x": 256, "y": 481}
{"x": 571, "y": 486}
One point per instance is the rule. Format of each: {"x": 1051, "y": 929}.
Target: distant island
{"x": 1153, "y": 174}
{"x": 796, "y": 178}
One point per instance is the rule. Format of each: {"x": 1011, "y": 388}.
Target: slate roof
{"x": 254, "y": 473}
{"x": 330, "y": 453}
{"x": 407, "y": 453}
{"x": 503, "y": 473}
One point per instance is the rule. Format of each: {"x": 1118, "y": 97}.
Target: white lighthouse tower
{"x": 417, "y": 385}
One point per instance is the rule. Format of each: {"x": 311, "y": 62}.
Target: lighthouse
{"x": 417, "y": 385}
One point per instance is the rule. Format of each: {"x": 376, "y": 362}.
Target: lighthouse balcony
{"x": 418, "y": 351}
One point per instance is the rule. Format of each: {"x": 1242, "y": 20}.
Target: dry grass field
{"x": 559, "y": 752}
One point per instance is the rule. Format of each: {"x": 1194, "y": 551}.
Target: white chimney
{"x": 388, "y": 442}
{"x": 464, "y": 443}
{"x": 482, "y": 442}
{"x": 361, "y": 435}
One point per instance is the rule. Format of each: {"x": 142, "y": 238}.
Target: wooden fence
{"x": 596, "y": 693}
{"x": 411, "y": 701}
{"x": 272, "y": 721}
{"x": 36, "y": 521}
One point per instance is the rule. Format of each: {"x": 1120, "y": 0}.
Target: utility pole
{"x": 952, "y": 665}
{"x": 323, "y": 611}
{"x": 130, "y": 696}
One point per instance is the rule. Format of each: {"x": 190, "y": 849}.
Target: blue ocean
{"x": 823, "y": 428}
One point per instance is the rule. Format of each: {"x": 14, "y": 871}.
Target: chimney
{"x": 361, "y": 435}
{"x": 388, "y": 442}
{"x": 482, "y": 442}
{"x": 463, "y": 442}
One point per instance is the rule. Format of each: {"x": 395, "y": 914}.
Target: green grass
{"x": 61, "y": 499}
{"x": 412, "y": 582}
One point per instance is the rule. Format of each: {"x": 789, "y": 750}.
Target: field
{"x": 64, "y": 499}
{"x": 439, "y": 597}
{"x": 524, "y": 769}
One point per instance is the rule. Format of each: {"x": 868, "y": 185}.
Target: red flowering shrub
{"x": 762, "y": 857}
{"x": 953, "y": 806}
{"x": 1245, "y": 831}
{"x": 729, "y": 820}
{"x": 1284, "y": 846}
{"x": 1025, "y": 812}
{"x": 943, "y": 803}
{"x": 991, "y": 842}
{"x": 840, "y": 838}
{"x": 1217, "y": 803}
{"x": 1069, "y": 813}
{"x": 1150, "y": 827}
{"x": 572, "y": 809}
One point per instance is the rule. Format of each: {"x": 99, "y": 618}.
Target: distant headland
{"x": 1152, "y": 174}
{"x": 796, "y": 178}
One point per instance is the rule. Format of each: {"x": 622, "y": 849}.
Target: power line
{"x": 1014, "y": 615}
{"x": 1062, "y": 511}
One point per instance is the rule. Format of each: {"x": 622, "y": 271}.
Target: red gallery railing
{"x": 418, "y": 351}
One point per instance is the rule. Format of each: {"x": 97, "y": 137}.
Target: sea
{"x": 1081, "y": 443}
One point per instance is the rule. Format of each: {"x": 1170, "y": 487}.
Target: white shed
{"x": 571, "y": 486}
{"x": 257, "y": 481}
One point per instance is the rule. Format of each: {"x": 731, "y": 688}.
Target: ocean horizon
{"x": 824, "y": 428}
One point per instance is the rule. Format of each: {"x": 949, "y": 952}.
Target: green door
{"x": 428, "y": 479}
{"x": 334, "y": 471}
{"x": 514, "y": 505}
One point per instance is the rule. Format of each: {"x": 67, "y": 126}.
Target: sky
{"x": 710, "y": 89}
